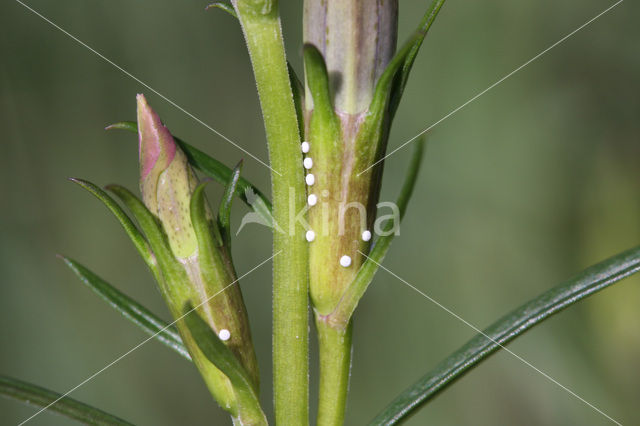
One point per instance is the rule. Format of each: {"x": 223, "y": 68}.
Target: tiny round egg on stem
{"x": 224, "y": 335}
{"x": 310, "y": 179}
{"x": 307, "y": 163}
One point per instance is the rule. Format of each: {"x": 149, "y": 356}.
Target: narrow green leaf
{"x": 377, "y": 122}
{"x": 356, "y": 289}
{"x": 130, "y": 228}
{"x": 131, "y": 309}
{"x": 323, "y": 129}
{"x": 214, "y": 349}
{"x": 224, "y": 212}
{"x": 400, "y": 82}
{"x": 130, "y": 126}
{"x": 173, "y": 274}
{"x": 223, "y": 358}
{"x": 207, "y": 232}
{"x": 224, "y": 6}
{"x": 506, "y": 329}
{"x": 297, "y": 90}
{"x": 69, "y": 407}
{"x": 318, "y": 82}
{"x": 218, "y": 277}
{"x": 216, "y": 170}
{"x": 384, "y": 86}
{"x": 391, "y": 83}
{"x": 145, "y": 218}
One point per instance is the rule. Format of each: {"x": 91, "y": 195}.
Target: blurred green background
{"x": 521, "y": 189}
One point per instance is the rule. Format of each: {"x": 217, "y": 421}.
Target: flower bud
{"x": 199, "y": 271}
{"x": 357, "y": 40}
{"x": 348, "y": 43}
{"x": 166, "y": 180}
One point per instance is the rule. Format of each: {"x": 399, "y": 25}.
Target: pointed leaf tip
{"x": 223, "y": 6}
{"x": 138, "y": 240}
{"x": 317, "y": 79}
{"x": 131, "y": 126}
{"x": 224, "y": 212}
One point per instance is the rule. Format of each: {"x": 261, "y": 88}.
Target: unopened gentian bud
{"x": 357, "y": 39}
{"x": 354, "y": 40}
{"x": 201, "y": 274}
{"x": 166, "y": 180}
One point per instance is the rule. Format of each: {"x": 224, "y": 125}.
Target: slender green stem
{"x": 335, "y": 362}
{"x": 261, "y": 26}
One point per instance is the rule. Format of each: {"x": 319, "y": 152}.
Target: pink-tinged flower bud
{"x": 199, "y": 271}
{"x": 348, "y": 45}
{"x": 157, "y": 147}
{"x": 357, "y": 40}
{"x": 166, "y": 180}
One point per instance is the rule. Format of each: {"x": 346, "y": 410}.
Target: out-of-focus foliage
{"x": 521, "y": 189}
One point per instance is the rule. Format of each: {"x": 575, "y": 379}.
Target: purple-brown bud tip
{"x": 166, "y": 180}
{"x": 156, "y": 145}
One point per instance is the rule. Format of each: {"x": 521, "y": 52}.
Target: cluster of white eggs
{"x": 312, "y": 200}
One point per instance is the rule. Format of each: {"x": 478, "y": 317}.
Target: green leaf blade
{"x": 148, "y": 222}
{"x": 223, "y": 6}
{"x": 297, "y": 90}
{"x": 139, "y": 241}
{"x": 317, "y": 79}
{"x": 130, "y": 309}
{"x": 391, "y": 84}
{"x": 40, "y": 397}
{"x": 173, "y": 278}
{"x": 506, "y": 329}
{"x": 224, "y": 212}
{"x": 408, "y": 60}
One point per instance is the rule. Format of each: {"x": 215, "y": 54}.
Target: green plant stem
{"x": 261, "y": 26}
{"x": 335, "y": 362}
{"x": 506, "y": 329}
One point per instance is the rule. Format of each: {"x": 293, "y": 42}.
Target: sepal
{"x": 139, "y": 241}
{"x": 247, "y": 410}
{"x": 224, "y": 211}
